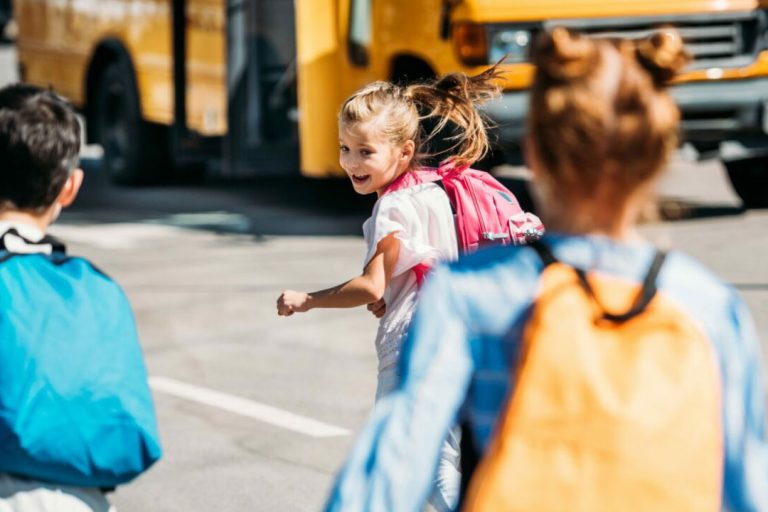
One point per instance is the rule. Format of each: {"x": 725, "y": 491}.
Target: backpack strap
{"x": 644, "y": 297}
{"x": 544, "y": 252}
{"x": 440, "y": 184}
{"x": 46, "y": 244}
{"x": 468, "y": 462}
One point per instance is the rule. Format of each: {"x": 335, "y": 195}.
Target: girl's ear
{"x": 408, "y": 150}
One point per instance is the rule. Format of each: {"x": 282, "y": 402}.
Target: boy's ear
{"x": 71, "y": 188}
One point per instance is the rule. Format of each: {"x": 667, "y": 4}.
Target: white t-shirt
{"x": 421, "y": 216}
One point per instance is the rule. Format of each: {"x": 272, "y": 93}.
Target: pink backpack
{"x": 486, "y": 212}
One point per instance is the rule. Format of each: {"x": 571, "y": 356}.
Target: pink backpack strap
{"x": 407, "y": 180}
{"x": 421, "y": 271}
{"x": 448, "y": 168}
{"x": 412, "y": 178}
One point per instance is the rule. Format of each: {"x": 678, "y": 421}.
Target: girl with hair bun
{"x": 382, "y": 138}
{"x": 592, "y": 371}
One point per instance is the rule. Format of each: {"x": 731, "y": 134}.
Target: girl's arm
{"x": 363, "y": 289}
{"x": 392, "y": 464}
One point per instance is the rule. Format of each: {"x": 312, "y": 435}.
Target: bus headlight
{"x": 513, "y": 43}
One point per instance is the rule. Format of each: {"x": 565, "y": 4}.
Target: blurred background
{"x": 212, "y": 183}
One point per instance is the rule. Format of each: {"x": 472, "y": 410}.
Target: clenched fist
{"x": 291, "y": 302}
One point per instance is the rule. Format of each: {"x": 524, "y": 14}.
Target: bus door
{"x": 261, "y": 85}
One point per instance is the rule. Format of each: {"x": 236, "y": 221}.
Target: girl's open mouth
{"x": 359, "y": 179}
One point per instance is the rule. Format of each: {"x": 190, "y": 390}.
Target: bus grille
{"x": 715, "y": 40}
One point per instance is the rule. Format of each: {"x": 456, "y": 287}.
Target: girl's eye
{"x": 366, "y": 152}
{"x": 343, "y": 149}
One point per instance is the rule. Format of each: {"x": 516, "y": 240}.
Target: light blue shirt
{"x": 460, "y": 357}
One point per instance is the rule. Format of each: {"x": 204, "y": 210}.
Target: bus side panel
{"x": 326, "y": 77}
{"x": 45, "y": 58}
{"x": 410, "y": 35}
{"x": 206, "y": 67}
{"x": 318, "y": 49}
{"x": 145, "y": 30}
{"x": 58, "y": 40}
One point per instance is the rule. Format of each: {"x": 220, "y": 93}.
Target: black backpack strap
{"x": 469, "y": 460}
{"x": 440, "y": 184}
{"x": 644, "y": 297}
{"x": 544, "y": 252}
{"x": 55, "y": 244}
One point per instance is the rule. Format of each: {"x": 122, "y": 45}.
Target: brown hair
{"x": 600, "y": 109}
{"x": 401, "y": 112}
{"x": 39, "y": 146}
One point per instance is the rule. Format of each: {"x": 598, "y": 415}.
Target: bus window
{"x": 359, "y": 31}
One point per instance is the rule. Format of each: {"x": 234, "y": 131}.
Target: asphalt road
{"x": 257, "y": 412}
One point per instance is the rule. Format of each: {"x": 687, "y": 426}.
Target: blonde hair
{"x": 400, "y": 112}
{"x": 600, "y": 109}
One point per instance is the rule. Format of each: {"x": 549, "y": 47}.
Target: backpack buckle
{"x": 488, "y": 235}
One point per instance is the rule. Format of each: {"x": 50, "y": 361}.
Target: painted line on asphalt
{"x": 248, "y": 408}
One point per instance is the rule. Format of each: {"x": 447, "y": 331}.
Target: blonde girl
{"x": 381, "y": 137}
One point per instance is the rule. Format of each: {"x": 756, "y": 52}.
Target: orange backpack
{"x": 609, "y": 411}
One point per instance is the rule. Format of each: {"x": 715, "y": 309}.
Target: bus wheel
{"x": 133, "y": 149}
{"x": 749, "y": 178}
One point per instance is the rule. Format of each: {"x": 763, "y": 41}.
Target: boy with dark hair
{"x": 76, "y": 413}
{"x": 40, "y": 147}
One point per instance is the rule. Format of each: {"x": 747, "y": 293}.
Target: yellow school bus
{"x": 253, "y": 86}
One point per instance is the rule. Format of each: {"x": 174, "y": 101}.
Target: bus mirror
{"x": 445, "y": 17}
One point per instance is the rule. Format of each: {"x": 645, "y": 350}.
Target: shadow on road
{"x": 261, "y": 207}
{"x": 667, "y": 209}
{"x": 671, "y": 209}
{"x": 288, "y": 205}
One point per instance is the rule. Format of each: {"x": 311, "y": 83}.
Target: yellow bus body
{"x": 58, "y": 40}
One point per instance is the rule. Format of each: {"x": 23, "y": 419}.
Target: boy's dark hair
{"x": 39, "y": 146}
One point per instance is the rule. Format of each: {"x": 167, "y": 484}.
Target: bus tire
{"x": 749, "y": 178}
{"x": 135, "y": 152}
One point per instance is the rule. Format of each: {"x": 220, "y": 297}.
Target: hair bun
{"x": 565, "y": 55}
{"x": 663, "y": 54}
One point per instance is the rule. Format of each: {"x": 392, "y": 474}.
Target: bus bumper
{"x": 723, "y": 110}
{"x": 712, "y": 112}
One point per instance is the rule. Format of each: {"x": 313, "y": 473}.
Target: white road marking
{"x": 248, "y": 408}
{"x": 125, "y": 235}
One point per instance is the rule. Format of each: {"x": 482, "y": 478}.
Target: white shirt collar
{"x": 25, "y": 229}
{"x": 29, "y": 232}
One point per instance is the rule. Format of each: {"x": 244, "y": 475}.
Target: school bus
{"x": 253, "y": 86}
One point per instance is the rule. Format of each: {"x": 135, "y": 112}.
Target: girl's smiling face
{"x": 370, "y": 160}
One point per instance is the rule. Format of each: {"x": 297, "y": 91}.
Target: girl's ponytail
{"x": 452, "y": 98}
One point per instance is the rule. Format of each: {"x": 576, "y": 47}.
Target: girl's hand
{"x": 378, "y": 308}
{"x": 291, "y": 302}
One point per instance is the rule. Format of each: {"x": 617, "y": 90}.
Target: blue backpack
{"x": 75, "y": 406}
